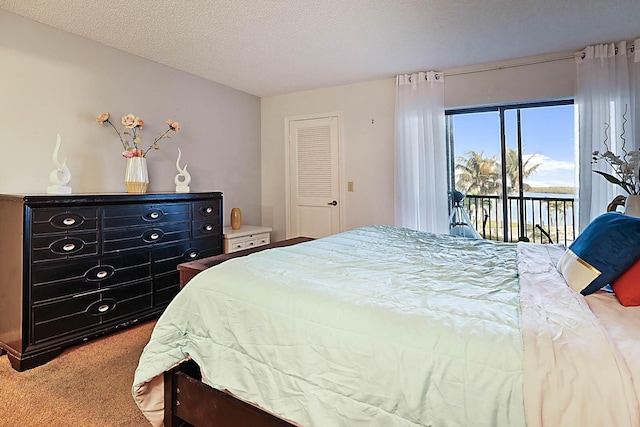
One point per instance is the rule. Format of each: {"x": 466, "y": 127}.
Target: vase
{"x": 136, "y": 176}
{"x": 632, "y": 205}
{"x": 236, "y": 219}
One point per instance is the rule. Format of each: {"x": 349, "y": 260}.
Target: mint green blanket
{"x": 375, "y": 327}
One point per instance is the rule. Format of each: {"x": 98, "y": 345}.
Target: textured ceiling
{"x": 270, "y": 47}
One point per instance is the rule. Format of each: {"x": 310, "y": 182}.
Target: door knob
{"x": 333, "y": 203}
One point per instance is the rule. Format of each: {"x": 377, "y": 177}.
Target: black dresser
{"x": 73, "y": 267}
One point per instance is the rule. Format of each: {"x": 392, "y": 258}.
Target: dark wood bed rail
{"x": 189, "y": 402}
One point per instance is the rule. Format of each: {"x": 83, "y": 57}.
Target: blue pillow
{"x": 603, "y": 251}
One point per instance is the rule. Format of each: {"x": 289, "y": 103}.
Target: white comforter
{"x": 389, "y": 327}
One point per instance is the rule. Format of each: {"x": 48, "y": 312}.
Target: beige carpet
{"x": 87, "y": 385}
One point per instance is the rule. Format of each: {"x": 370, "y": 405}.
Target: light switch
{"x": 350, "y": 186}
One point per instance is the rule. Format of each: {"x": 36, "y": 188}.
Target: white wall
{"x": 368, "y": 130}
{"x": 53, "y": 82}
{"x": 367, "y": 150}
{"x": 555, "y": 79}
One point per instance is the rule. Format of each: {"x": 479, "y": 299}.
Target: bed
{"x": 383, "y": 326}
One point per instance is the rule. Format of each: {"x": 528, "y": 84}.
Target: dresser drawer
{"x": 64, "y": 317}
{"x": 45, "y": 221}
{"x": 57, "y": 280}
{"x": 132, "y": 238}
{"x": 170, "y": 287}
{"x": 130, "y": 300}
{"x": 165, "y": 266}
{"x": 56, "y": 247}
{"x": 206, "y": 209}
{"x": 131, "y": 215}
{"x": 167, "y": 258}
{"x": 205, "y": 228}
{"x": 59, "y": 319}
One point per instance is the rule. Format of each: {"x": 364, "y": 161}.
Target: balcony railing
{"x": 540, "y": 219}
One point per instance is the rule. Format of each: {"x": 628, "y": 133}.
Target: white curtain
{"x": 421, "y": 200}
{"x": 608, "y": 83}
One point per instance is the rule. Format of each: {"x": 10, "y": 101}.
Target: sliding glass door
{"x": 515, "y": 164}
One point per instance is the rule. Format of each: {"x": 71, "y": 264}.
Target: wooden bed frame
{"x": 190, "y": 402}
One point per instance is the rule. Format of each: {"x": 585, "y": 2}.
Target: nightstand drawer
{"x": 263, "y": 239}
{"x": 233, "y": 246}
{"x": 245, "y": 242}
{"x": 257, "y": 239}
{"x": 250, "y": 243}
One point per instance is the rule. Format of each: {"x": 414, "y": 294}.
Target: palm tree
{"x": 513, "y": 170}
{"x": 478, "y": 174}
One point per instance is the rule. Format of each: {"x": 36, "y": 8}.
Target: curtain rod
{"x": 631, "y": 48}
{"x": 580, "y": 54}
{"x": 502, "y": 67}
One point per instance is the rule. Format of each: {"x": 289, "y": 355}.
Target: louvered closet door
{"x": 314, "y": 177}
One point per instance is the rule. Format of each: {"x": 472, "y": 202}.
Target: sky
{"x": 547, "y": 135}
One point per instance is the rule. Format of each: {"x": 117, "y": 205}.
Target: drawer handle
{"x": 67, "y": 220}
{"x": 67, "y": 246}
{"x": 191, "y": 253}
{"x": 100, "y": 307}
{"x": 250, "y": 243}
{"x": 152, "y": 236}
{"x": 152, "y": 215}
{"x": 209, "y": 209}
{"x": 99, "y": 273}
{"x": 209, "y": 227}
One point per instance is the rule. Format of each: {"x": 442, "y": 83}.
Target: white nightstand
{"x": 248, "y": 236}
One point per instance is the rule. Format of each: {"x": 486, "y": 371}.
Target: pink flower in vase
{"x": 131, "y": 139}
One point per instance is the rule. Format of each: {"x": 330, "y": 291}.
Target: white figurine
{"x": 60, "y": 177}
{"x": 183, "y": 178}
